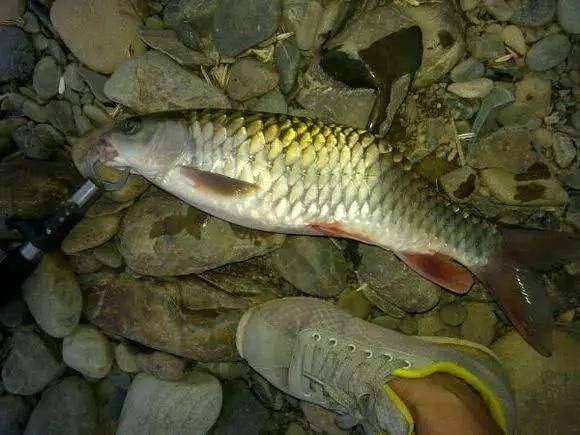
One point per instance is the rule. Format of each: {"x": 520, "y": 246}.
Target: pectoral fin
{"x": 216, "y": 184}
{"x": 440, "y": 269}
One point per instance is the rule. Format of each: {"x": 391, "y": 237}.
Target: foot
{"x": 316, "y": 352}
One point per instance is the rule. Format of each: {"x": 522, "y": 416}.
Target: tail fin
{"x": 514, "y": 277}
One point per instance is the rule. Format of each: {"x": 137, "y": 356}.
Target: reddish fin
{"x": 216, "y": 183}
{"x": 440, "y": 269}
{"x": 333, "y": 229}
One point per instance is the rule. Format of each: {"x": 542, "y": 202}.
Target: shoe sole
{"x": 240, "y": 331}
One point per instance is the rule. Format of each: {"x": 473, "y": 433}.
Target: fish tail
{"x": 514, "y": 277}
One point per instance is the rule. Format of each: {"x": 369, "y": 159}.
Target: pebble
{"x": 240, "y": 409}
{"x": 460, "y": 184}
{"x": 188, "y": 35}
{"x": 534, "y": 93}
{"x": 272, "y": 102}
{"x": 514, "y": 38}
{"x": 241, "y": 24}
{"x": 548, "y": 52}
{"x": 11, "y": 10}
{"x": 409, "y": 325}
{"x": 109, "y": 255}
{"x": 479, "y": 325}
{"x": 498, "y": 97}
{"x": 469, "y": 5}
{"x": 96, "y": 114}
{"x": 14, "y": 413}
{"x": 569, "y": 15}
{"x": 38, "y": 142}
{"x": 90, "y": 233}
{"x": 355, "y": 303}
{"x": 40, "y": 42}
{"x": 460, "y": 108}
{"x": 533, "y": 12}
{"x": 56, "y": 51}
{"x": 477, "y": 88}
{"x": 17, "y": 57}
{"x": 30, "y": 23}
{"x": 73, "y": 79}
{"x": 88, "y": 351}
{"x": 287, "y": 63}
{"x": 387, "y": 322}
{"x": 60, "y": 116}
{"x": 161, "y": 365}
{"x": 199, "y": 12}
{"x": 314, "y": 265}
{"x": 499, "y": 9}
{"x": 85, "y": 262}
{"x": 66, "y": 407}
{"x": 227, "y": 370}
{"x": 126, "y": 358}
{"x": 469, "y": 69}
{"x": 321, "y": 420}
{"x": 250, "y": 78}
{"x": 564, "y": 150}
{"x": 429, "y": 324}
{"x": 453, "y": 314}
{"x": 96, "y": 83}
{"x": 155, "y": 406}
{"x": 34, "y": 111}
{"x": 165, "y": 41}
{"x": 575, "y": 120}
{"x": 100, "y": 33}
{"x": 82, "y": 123}
{"x": 53, "y": 296}
{"x": 30, "y": 365}
{"x": 486, "y": 46}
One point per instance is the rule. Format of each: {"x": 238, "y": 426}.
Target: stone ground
{"x": 141, "y": 304}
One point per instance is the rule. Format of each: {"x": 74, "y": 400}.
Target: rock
{"x": 91, "y": 232}
{"x": 55, "y": 50}
{"x": 111, "y": 392}
{"x": 46, "y": 78}
{"x": 156, "y": 406}
{"x": 60, "y": 116}
{"x": 498, "y": 97}
{"x": 355, "y": 303}
{"x": 328, "y": 99}
{"x": 460, "y": 184}
{"x": 571, "y": 179}
{"x": 314, "y": 265}
{"x": 548, "y": 52}
{"x": 38, "y": 142}
{"x": 198, "y": 12}
{"x": 30, "y": 365}
{"x": 152, "y": 83}
{"x": 395, "y": 282}
{"x": 166, "y": 42}
{"x": 53, "y": 296}
{"x": 72, "y": 78}
{"x": 569, "y": 16}
{"x": 514, "y": 38}
{"x": 96, "y": 83}
{"x": 321, "y": 420}
{"x": 487, "y": 46}
{"x": 479, "y": 325}
{"x": 14, "y": 411}
{"x": 66, "y": 407}
{"x": 13, "y": 312}
{"x": 241, "y": 24}
{"x": 477, "y": 88}
{"x": 100, "y": 33}
{"x": 17, "y": 55}
{"x": 186, "y": 317}
{"x": 429, "y": 324}
{"x": 105, "y": 206}
{"x": 272, "y": 102}
{"x": 533, "y": 12}
{"x": 499, "y": 9}
{"x": 287, "y": 63}
{"x": 11, "y": 10}
{"x": 575, "y": 119}
{"x": 532, "y": 375}
{"x": 387, "y": 322}
{"x": 250, "y": 78}
{"x": 564, "y": 150}
{"x": 469, "y": 69}
{"x": 188, "y": 35}
{"x": 97, "y": 115}
{"x": 126, "y": 359}
{"x": 82, "y": 123}
{"x": 88, "y": 351}
{"x": 85, "y": 262}
{"x": 535, "y": 93}
{"x": 163, "y": 236}
{"x": 453, "y": 314}
{"x": 240, "y": 409}
{"x": 541, "y": 189}
{"x": 227, "y": 370}
{"x": 109, "y": 255}
{"x": 161, "y": 365}
{"x": 34, "y": 111}
{"x": 409, "y": 325}
{"x": 573, "y": 212}
{"x": 269, "y": 395}
{"x": 30, "y": 23}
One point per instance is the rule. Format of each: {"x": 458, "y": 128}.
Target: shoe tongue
{"x": 392, "y": 414}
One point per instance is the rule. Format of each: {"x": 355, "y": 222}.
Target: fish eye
{"x": 130, "y": 126}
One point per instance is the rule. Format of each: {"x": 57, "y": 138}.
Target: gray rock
{"x": 321, "y": 419}
{"x": 56, "y": 51}
{"x": 66, "y": 407}
{"x": 287, "y": 63}
{"x": 227, "y": 370}
{"x": 82, "y": 123}
{"x": 100, "y": 33}
{"x": 40, "y": 42}
{"x": 513, "y": 37}
{"x": 460, "y": 184}
{"x": 38, "y": 142}
{"x": 153, "y": 82}
{"x": 487, "y": 46}
{"x": 161, "y": 365}
{"x": 250, "y": 78}
{"x": 199, "y": 12}
{"x": 241, "y": 24}
{"x": 90, "y": 233}
{"x": 109, "y": 255}
{"x": 499, "y": 9}
{"x": 498, "y": 97}
{"x": 13, "y": 312}
{"x": 11, "y": 10}
{"x": 314, "y": 265}
{"x": 126, "y": 359}
{"x": 30, "y": 365}
{"x": 387, "y": 322}
{"x": 272, "y": 102}
{"x": 34, "y": 111}
{"x": 469, "y": 69}
{"x": 73, "y": 79}
{"x": 163, "y": 236}
{"x": 453, "y": 314}
{"x": 409, "y": 325}
{"x": 187, "y": 34}
{"x": 571, "y": 178}
{"x": 88, "y": 351}
{"x": 53, "y": 296}
{"x": 14, "y": 412}
{"x": 111, "y": 392}
{"x": 166, "y": 41}
{"x": 429, "y": 324}
{"x": 156, "y": 406}
{"x": 476, "y": 88}
{"x": 534, "y": 94}
{"x": 395, "y": 282}
{"x": 564, "y": 150}
{"x": 60, "y": 116}
{"x": 533, "y": 12}
{"x": 479, "y": 325}
{"x": 96, "y": 83}
{"x": 96, "y": 114}
{"x": 575, "y": 119}
{"x": 573, "y": 212}
{"x": 16, "y": 55}
{"x": 461, "y": 109}
{"x": 240, "y": 409}
{"x": 548, "y": 52}
{"x": 569, "y": 15}
{"x": 30, "y": 23}
{"x": 85, "y": 262}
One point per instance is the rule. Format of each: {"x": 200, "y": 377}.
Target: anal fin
{"x": 335, "y": 229}
{"x": 216, "y": 184}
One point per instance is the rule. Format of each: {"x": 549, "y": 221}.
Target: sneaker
{"x": 314, "y": 351}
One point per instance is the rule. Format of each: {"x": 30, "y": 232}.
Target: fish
{"x": 294, "y": 175}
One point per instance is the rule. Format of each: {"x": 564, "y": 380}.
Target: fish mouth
{"x": 103, "y": 153}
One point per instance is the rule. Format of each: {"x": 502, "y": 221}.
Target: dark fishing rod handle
{"x": 15, "y": 268}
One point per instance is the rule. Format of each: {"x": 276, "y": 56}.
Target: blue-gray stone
{"x": 533, "y": 12}
{"x": 548, "y": 52}
{"x": 287, "y": 61}
{"x": 16, "y": 55}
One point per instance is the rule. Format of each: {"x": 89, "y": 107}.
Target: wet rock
{"x": 477, "y": 88}
{"x": 186, "y": 317}
{"x": 250, "y": 78}
{"x": 60, "y": 116}
{"x": 66, "y": 407}
{"x": 486, "y": 46}
{"x": 498, "y": 97}
{"x": 161, "y": 365}
{"x": 532, "y": 375}
{"x": 240, "y": 409}
{"x": 453, "y": 314}
{"x": 34, "y": 111}
{"x": 105, "y": 206}
{"x": 514, "y": 38}
{"x": 156, "y": 406}
{"x": 571, "y": 179}
{"x": 88, "y": 351}
{"x": 569, "y": 16}
{"x": 187, "y": 34}
{"x": 355, "y": 303}
{"x": 111, "y": 392}
{"x": 429, "y": 324}
{"x": 314, "y": 265}
{"x": 409, "y": 325}
{"x": 85, "y": 262}
{"x": 499, "y": 9}
{"x": 46, "y": 78}
{"x": 387, "y": 322}
{"x": 520, "y": 189}
{"x": 575, "y": 119}
{"x": 533, "y": 12}
{"x": 469, "y": 69}
{"x": 198, "y": 12}
{"x": 40, "y": 42}
{"x": 152, "y": 82}
{"x": 13, "y": 313}
{"x": 241, "y": 24}
{"x": 109, "y": 255}
{"x": 393, "y": 280}
{"x": 14, "y": 412}
{"x": 479, "y": 325}
{"x": 30, "y": 365}
{"x": 166, "y": 42}
{"x": 91, "y": 232}
{"x": 321, "y": 420}
{"x": 72, "y": 78}
{"x": 272, "y": 102}
{"x": 535, "y": 94}
{"x": 16, "y": 55}
{"x": 126, "y": 359}
{"x": 38, "y": 142}
{"x": 97, "y": 115}
{"x": 287, "y": 62}
{"x": 564, "y": 150}
{"x": 95, "y": 82}
{"x": 163, "y": 236}
{"x": 548, "y": 52}
{"x": 82, "y": 123}
{"x": 11, "y": 10}
{"x": 328, "y": 99}
{"x": 55, "y": 50}
{"x": 460, "y": 184}
{"x": 227, "y": 370}
{"x": 100, "y": 33}
{"x": 53, "y": 296}
{"x": 573, "y": 212}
